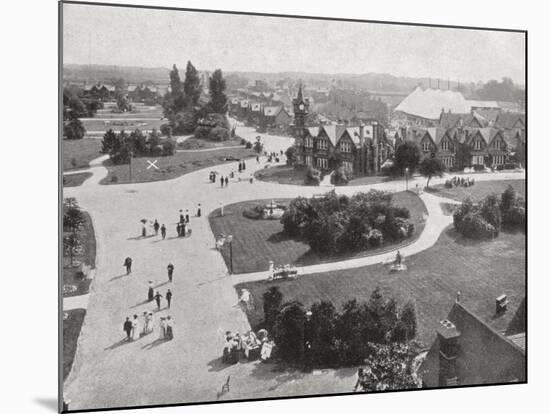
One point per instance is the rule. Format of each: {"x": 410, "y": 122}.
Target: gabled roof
{"x": 484, "y": 355}
{"x": 235, "y": 101}
{"x": 313, "y": 131}
{"x": 244, "y": 104}
{"x": 255, "y": 107}
{"x": 334, "y": 132}
{"x": 450, "y": 120}
{"x": 436, "y": 134}
{"x": 132, "y": 88}
{"x": 509, "y": 120}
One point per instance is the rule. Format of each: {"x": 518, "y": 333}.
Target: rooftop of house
{"x": 486, "y": 354}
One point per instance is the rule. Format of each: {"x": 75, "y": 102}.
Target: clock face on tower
{"x": 301, "y": 107}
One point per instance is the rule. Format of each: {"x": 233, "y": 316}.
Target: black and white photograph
{"x": 260, "y": 206}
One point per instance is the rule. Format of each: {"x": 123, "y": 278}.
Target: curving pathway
{"x": 109, "y": 372}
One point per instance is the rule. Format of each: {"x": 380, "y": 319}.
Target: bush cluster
{"x": 313, "y": 176}
{"x": 119, "y": 146}
{"x": 341, "y": 176}
{"x": 333, "y": 223}
{"x": 484, "y": 220}
{"x": 336, "y": 338}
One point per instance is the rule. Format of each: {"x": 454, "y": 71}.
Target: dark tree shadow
{"x": 279, "y": 237}
{"x": 211, "y": 281}
{"x": 280, "y": 373}
{"x": 162, "y": 284}
{"x": 49, "y": 403}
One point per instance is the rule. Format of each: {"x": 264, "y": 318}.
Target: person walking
{"x": 199, "y": 210}
{"x": 149, "y": 322}
{"x": 178, "y": 229}
{"x": 144, "y": 331}
{"x": 169, "y": 328}
{"x": 157, "y": 299}
{"x": 183, "y": 229}
{"x": 168, "y": 297}
{"x": 156, "y": 227}
{"x": 135, "y": 328}
{"x": 187, "y": 216}
{"x": 128, "y": 265}
{"x": 226, "y": 181}
{"x": 244, "y": 166}
{"x": 143, "y": 230}
{"x": 163, "y": 231}
{"x": 221, "y": 181}
{"x": 162, "y": 330}
{"x": 127, "y": 327}
{"x": 170, "y": 268}
{"x": 257, "y": 159}
{"x": 240, "y": 167}
{"x": 221, "y": 208}
{"x": 182, "y": 218}
{"x": 151, "y": 291}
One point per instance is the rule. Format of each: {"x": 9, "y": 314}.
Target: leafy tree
{"x": 218, "y": 99}
{"x": 290, "y": 155}
{"x": 176, "y": 99}
{"x": 73, "y": 218}
{"x": 491, "y": 212}
{"x": 74, "y": 129}
{"x": 192, "y": 86}
{"x": 350, "y": 333}
{"x": 320, "y": 332}
{"x": 289, "y": 332}
{"x": 313, "y": 176}
{"x": 407, "y": 155}
{"x": 272, "y": 298}
{"x": 340, "y": 176}
{"x": 70, "y": 245}
{"x": 431, "y": 167}
{"x": 258, "y": 146}
{"x": 508, "y": 199}
{"x": 389, "y": 367}
{"x": 297, "y": 216}
{"x": 407, "y": 319}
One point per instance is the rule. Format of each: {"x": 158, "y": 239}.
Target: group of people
{"x": 250, "y": 345}
{"x": 136, "y": 329}
{"x": 155, "y": 295}
{"x": 156, "y": 228}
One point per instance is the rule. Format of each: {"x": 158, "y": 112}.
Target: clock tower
{"x": 301, "y": 110}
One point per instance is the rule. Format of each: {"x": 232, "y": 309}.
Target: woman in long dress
{"x": 135, "y": 328}
{"x": 162, "y": 330}
{"x": 151, "y": 292}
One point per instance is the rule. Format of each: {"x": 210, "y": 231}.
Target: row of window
{"x": 477, "y": 145}
{"x": 322, "y": 144}
{"x": 323, "y": 163}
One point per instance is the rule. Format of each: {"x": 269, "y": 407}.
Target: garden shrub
{"x": 401, "y": 212}
{"x": 219, "y": 134}
{"x": 341, "y": 176}
{"x": 202, "y": 132}
{"x": 168, "y": 148}
{"x": 514, "y": 218}
{"x": 479, "y": 167}
{"x": 375, "y": 238}
{"x": 248, "y": 145}
{"x": 254, "y": 213}
{"x": 474, "y": 226}
{"x": 166, "y": 129}
{"x": 313, "y": 176}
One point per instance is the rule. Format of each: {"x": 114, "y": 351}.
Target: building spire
{"x": 300, "y": 98}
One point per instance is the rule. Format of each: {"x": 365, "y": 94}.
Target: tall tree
{"x": 192, "y": 85}
{"x": 289, "y": 332}
{"x": 407, "y": 155}
{"x": 273, "y": 298}
{"x": 176, "y": 94}
{"x": 218, "y": 99}
{"x": 74, "y": 129}
{"x": 431, "y": 167}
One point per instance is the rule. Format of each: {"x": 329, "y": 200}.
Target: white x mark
{"x": 152, "y": 164}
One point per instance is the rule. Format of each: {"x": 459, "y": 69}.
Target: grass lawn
{"x": 198, "y": 143}
{"x": 77, "y": 153}
{"x": 72, "y": 275}
{"x": 74, "y": 180}
{"x": 284, "y": 174}
{"x": 481, "y": 271}
{"x": 258, "y": 241}
{"x": 71, "y": 330}
{"x": 479, "y": 190}
{"x": 124, "y": 123}
{"x": 173, "y": 166}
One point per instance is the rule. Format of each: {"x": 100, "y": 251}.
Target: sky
{"x": 159, "y": 38}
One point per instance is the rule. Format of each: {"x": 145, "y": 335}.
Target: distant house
{"x": 99, "y": 91}
{"x": 468, "y": 350}
{"x": 275, "y": 116}
{"x": 471, "y": 120}
{"x": 510, "y": 121}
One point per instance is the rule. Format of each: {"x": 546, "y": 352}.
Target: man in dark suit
{"x": 127, "y": 328}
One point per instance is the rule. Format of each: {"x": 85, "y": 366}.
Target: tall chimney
{"x": 447, "y": 335}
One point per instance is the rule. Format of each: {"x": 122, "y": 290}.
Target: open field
{"x": 479, "y": 190}
{"x": 72, "y": 275}
{"x": 256, "y": 242}
{"x": 78, "y": 153}
{"x": 481, "y": 271}
{"x": 74, "y": 180}
{"x": 173, "y": 166}
{"x": 71, "y": 330}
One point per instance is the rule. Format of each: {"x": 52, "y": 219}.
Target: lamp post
{"x": 307, "y": 342}
{"x": 407, "y": 179}
{"x": 130, "y": 154}
{"x": 229, "y": 239}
